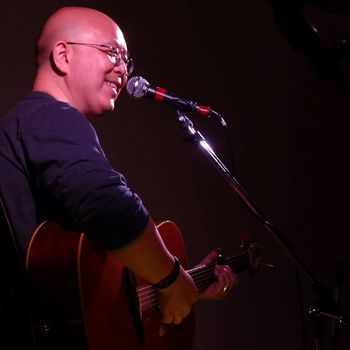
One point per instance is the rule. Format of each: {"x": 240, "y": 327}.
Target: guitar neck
{"x": 203, "y": 275}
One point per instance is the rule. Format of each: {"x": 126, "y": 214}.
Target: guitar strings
{"x": 201, "y": 275}
{"x": 200, "y": 270}
{"x": 150, "y": 301}
{"x": 198, "y": 274}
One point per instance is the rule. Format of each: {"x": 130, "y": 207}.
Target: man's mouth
{"x": 111, "y": 84}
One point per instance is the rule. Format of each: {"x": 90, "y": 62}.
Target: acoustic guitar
{"x": 82, "y": 299}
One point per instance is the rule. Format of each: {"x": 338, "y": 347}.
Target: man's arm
{"x": 148, "y": 257}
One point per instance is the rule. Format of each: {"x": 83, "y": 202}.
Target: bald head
{"x": 71, "y": 24}
{"x": 81, "y": 60}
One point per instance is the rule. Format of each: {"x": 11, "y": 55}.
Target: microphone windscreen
{"x": 136, "y": 86}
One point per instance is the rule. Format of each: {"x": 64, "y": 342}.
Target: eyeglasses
{"x": 117, "y": 55}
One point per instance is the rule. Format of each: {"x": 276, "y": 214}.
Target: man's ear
{"x": 59, "y": 57}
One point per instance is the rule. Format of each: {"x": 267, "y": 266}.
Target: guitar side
{"x": 82, "y": 288}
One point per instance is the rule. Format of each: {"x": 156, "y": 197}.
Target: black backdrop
{"x": 290, "y": 138}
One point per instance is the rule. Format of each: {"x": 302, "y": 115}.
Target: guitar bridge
{"x": 134, "y": 305}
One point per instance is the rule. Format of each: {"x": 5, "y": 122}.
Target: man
{"x": 53, "y": 168}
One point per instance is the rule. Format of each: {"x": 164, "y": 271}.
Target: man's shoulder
{"x": 36, "y": 103}
{"x": 39, "y": 108}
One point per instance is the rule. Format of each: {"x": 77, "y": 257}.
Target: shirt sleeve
{"x": 73, "y": 182}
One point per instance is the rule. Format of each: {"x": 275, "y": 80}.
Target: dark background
{"x": 290, "y": 128}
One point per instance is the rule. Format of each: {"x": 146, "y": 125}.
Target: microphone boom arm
{"x": 326, "y": 306}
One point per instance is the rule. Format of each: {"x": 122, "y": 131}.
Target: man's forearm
{"x": 147, "y": 256}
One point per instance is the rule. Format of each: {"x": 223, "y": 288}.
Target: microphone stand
{"x": 326, "y": 305}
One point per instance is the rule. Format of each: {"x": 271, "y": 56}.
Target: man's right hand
{"x": 176, "y": 300}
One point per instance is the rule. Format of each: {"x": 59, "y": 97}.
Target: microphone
{"x": 140, "y": 87}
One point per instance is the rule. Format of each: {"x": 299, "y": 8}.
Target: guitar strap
{"x": 15, "y": 327}
{"x": 7, "y": 227}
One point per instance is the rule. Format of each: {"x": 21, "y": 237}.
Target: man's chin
{"x": 106, "y": 108}
{"x": 96, "y": 115}
{"x": 110, "y": 106}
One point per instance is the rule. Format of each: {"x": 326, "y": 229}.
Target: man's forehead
{"x": 120, "y": 40}
{"x": 113, "y": 38}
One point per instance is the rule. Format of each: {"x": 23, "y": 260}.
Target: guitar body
{"x": 82, "y": 299}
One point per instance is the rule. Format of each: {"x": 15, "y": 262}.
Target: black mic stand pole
{"x": 326, "y": 306}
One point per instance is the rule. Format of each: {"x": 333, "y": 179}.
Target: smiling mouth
{"x": 111, "y": 84}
